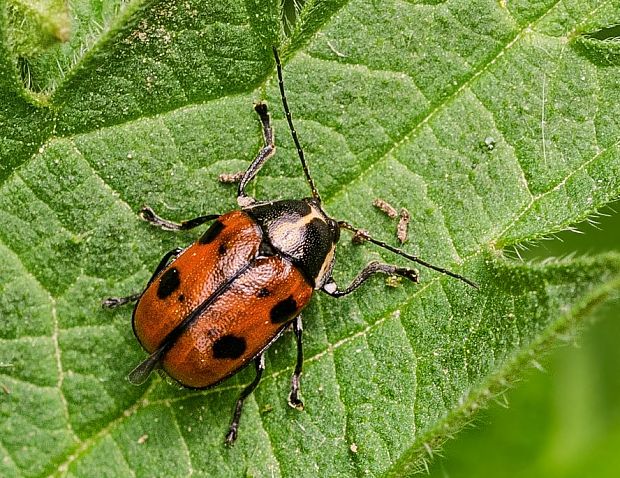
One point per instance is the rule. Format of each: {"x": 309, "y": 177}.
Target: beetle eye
{"x": 335, "y": 229}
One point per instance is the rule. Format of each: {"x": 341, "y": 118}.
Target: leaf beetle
{"x": 212, "y": 308}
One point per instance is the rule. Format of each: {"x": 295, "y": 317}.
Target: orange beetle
{"x": 214, "y": 307}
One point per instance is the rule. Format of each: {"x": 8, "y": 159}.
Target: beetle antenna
{"x": 366, "y": 237}
{"x": 289, "y": 119}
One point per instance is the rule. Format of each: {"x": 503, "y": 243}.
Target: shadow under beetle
{"x": 212, "y": 308}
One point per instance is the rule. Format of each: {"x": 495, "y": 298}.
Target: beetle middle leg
{"x": 112, "y": 302}
{"x": 266, "y": 152}
{"x": 374, "y": 267}
{"x": 259, "y": 363}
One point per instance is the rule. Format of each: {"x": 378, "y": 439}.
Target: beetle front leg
{"x": 112, "y": 302}
{"x": 231, "y": 436}
{"x": 149, "y": 215}
{"x": 293, "y": 397}
{"x": 374, "y": 267}
{"x": 264, "y": 154}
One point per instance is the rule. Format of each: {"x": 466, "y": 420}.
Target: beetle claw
{"x": 147, "y": 213}
{"x": 295, "y": 402}
{"x": 111, "y": 302}
{"x": 231, "y": 436}
{"x": 410, "y": 274}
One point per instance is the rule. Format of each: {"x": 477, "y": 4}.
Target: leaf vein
{"x": 469, "y": 80}
{"x": 7, "y": 454}
{"x": 78, "y": 451}
{"x": 267, "y": 434}
{"x": 397, "y": 74}
{"x": 444, "y": 223}
{"x": 555, "y": 188}
{"x": 184, "y": 444}
{"x": 121, "y": 452}
{"x": 60, "y": 371}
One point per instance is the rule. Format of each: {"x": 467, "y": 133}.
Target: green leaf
{"x": 488, "y": 121}
{"x": 35, "y": 25}
{"x": 565, "y": 421}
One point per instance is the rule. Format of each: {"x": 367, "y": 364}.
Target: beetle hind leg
{"x": 293, "y": 397}
{"x": 231, "y": 436}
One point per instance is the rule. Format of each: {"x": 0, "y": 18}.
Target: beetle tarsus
{"x": 112, "y": 302}
{"x": 259, "y": 363}
{"x": 410, "y": 274}
{"x": 149, "y": 216}
{"x": 231, "y": 436}
{"x": 293, "y": 397}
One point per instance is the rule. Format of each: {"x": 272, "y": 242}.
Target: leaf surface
{"x": 493, "y": 123}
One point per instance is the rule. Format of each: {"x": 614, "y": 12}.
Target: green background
{"x": 563, "y": 420}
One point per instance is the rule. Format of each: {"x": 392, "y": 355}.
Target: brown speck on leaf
{"x": 386, "y": 207}
{"x": 403, "y": 225}
{"x": 143, "y": 439}
{"x": 231, "y": 178}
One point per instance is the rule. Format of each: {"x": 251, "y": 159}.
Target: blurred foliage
{"x": 565, "y": 421}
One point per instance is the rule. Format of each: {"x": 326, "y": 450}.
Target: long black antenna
{"x": 366, "y": 237}
{"x": 289, "y": 119}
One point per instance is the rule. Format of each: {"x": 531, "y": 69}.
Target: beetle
{"x": 216, "y": 306}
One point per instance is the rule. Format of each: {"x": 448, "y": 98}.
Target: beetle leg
{"x": 231, "y": 436}
{"x": 362, "y": 236}
{"x": 149, "y": 215}
{"x": 267, "y": 151}
{"x": 164, "y": 262}
{"x": 112, "y": 302}
{"x": 293, "y": 398}
{"x": 374, "y": 267}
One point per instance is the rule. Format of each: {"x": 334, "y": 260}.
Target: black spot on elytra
{"x": 263, "y": 292}
{"x": 181, "y": 298}
{"x": 222, "y": 249}
{"x": 168, "y": 283}
{"x": 211, "y": 233}
{"x": 229, "y": 347}
{"x": 283, "y": 310}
